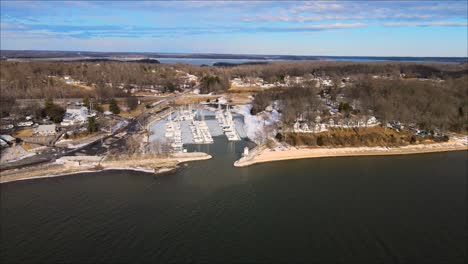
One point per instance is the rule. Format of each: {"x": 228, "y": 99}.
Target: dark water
{"x": 211, "y": 61}
{"x": 399, "y": 209}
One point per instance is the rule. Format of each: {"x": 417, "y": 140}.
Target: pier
{"x": 227, "y": 124}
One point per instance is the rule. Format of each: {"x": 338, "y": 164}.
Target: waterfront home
{"x": 372, "y": 121}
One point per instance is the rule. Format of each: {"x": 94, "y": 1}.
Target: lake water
{"x": 396, "y": 209}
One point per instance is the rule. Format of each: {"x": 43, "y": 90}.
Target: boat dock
{"x": 174, "y": 134}
{"x": 227, "y": 124}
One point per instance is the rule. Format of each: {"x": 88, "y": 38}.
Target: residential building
{"x": 46, "y": 130}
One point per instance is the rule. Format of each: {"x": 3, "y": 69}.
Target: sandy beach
{"x": 289, "y": 153}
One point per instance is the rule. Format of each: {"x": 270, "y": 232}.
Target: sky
{"x": 334, "y": 28}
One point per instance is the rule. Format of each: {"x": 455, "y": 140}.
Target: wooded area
{"x": 427, "y": 95}
{"x": 41, "y": 79}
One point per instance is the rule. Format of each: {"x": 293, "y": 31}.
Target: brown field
{"x": 128, "y": 114}
{"x": 194, "y": 99}
{"x": 29, "y": 146}
{"x": 142, "y": 93}
{"x": 245, "y": 89}
{"x": 240, "y": 98}
{"x": 27, "y": 132}
{"x": 84, "y": 87}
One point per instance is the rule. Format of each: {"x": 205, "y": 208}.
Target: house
{"x": 80, "y": 113}
{"x": 372, "y": 121}
{"x": 68, "y": 80}
{"x": 6, "y": 140}
{"x": 75, "y": 114}
{"x": 297, "y": 127}
{"x": 25, "y": 124}
{"x": 327, "y": 83}
{"x": 46, "y": 130}
{"x": 6, "y": 127}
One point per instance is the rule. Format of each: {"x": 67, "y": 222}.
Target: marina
{"x": 197, "y": 126}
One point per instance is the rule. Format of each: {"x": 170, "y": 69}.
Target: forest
{"x": 428, "y": 95}
{"x": 276, "y": 71}
{"x": 37, "y": 79}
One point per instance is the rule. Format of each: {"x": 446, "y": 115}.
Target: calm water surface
{"x": 399, "y": 209}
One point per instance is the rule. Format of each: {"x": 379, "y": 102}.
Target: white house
{"x": 79, "y": 111}
{"x": 25, "y": 124}
{"x": 69, "y": 80}
{"x": 372, "y": 121}
{"x": 46, "y": 130}
{"x": 7, "y": 139}
{"x": 75, "y": 114}
{"x": 327, "y": 83}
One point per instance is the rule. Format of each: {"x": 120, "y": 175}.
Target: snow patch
{"x": 255, "y": 124}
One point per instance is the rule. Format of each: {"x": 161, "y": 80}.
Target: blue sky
{"x": 336, "y": 28}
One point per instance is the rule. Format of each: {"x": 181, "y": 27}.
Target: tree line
{"x": 427, "y": 104}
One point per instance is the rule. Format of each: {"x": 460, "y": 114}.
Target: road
{"x": 64, "y": 101}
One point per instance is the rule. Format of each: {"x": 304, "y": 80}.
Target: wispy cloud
{"x": 428, "y": 24}
{"x": 10, "y": 26}
{"x": 277, "y": 24}
{"x": 362, "y": 10}
{"x": 139, "y": 31}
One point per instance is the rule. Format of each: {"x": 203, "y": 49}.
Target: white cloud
{"x": 10, "y": 26}
{"x": 330, "y": 26}
{"x": 427, "y": 24}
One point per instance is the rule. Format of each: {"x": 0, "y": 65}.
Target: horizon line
{"x": 238, "y": 54}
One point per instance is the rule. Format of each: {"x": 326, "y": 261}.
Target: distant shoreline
{"x": 268, "y": 155}
{"x": 39, "y": 55}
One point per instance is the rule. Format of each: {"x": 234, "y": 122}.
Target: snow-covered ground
{"x": 14, "y": 153}
{"x": 254, "y": 124}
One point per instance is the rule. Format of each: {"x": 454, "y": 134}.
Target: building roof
{"x": 7, "y": 138}
{"x": 75, "y": 107}
{"x": 46, "y": 128}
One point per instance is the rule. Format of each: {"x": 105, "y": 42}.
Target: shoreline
{"x": 267, "y": 155}
{"x": 77, "y": 172}
{"x": 149, "y": 165}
